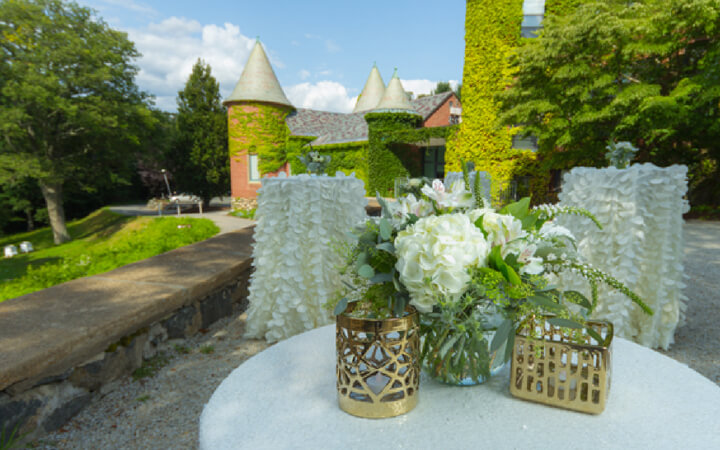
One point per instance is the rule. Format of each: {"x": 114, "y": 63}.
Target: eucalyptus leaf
{"x": 362, "y": 259}
{"x": 381, "y": 278}
{"x": 385, "y": 229}
{"x": 564, "y": 323}
{"x": 386, "y": 246}
{"x": 509, "y": 346}
{"x": 368, "y": 237}
{"x": 501, "y": 335}
{"x": 399, "y": 306}
{"x": 366, "y": 271}
{"x": 383, "y": 205}
{"x": 341, "y": 306}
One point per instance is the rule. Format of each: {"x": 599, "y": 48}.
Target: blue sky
{"x": 322, "y": 51}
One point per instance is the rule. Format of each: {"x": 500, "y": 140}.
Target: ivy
{"x": 392, "y": 151}
{"x": 492, "y": 34}
{"x": 346, "y": 157}
{"x": 259, "y": 128}
{"x": 560, "y": 7}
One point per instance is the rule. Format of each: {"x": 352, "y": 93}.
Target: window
{"x": 524, "y": 142}
{"x": 254, "y": 171}
{"x": 434, "y": 162}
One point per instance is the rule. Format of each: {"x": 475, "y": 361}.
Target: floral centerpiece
{"x": 472, "y": 272}
{"x": 315, "y": 162}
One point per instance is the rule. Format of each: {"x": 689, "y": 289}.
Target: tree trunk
{"x": 30, "y": 221}
{"x": 52, "y": 191}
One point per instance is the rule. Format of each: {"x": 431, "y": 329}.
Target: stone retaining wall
{"x": 62, "y": 345}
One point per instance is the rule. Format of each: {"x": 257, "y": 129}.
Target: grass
{"x": 101, "y": 242}
{"x": 151, "y": 366}
{"x": 208, "y": 349}
{"x": 244, "y": 213}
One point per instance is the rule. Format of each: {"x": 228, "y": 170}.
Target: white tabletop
{"x": 285, "y": 397}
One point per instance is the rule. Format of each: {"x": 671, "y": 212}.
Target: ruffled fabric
{"x": 296, "y": 270}
{"x": 641, "y": 244}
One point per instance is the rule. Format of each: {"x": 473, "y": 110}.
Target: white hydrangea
{"x": 434, "y": 255}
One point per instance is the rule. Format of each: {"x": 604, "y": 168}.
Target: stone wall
{"x": 49, "y": 372}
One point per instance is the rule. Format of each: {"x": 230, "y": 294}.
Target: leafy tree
{"x": 644, "y": 72}
{"x": 69, "y": 106}
{"x": 201, "y": 152}
{"x": 442, "y": 86}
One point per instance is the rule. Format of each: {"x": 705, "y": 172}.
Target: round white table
{"x": 285, "y": 398}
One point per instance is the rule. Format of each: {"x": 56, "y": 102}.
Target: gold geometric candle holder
{"x": 378, "y": 368}
{"x": 548, "y": 368}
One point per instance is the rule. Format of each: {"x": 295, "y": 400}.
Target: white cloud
{"x": 420, "y": 87}
{"x": 331, "y": 46}
{"x": 534, "y": 7}
{"x": 304, "y": 74}
{"x": 323, "y": 96}
{"x": 170, "y": 49}
{"x": 132, "y": 6}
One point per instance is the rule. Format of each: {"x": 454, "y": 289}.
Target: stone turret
{"x": 257, "y": 109}
{"x": 372, "y": 93}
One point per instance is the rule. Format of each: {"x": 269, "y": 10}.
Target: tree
{"x": 69, "y": 107}
{"x": 644, "y": 72}
{"x": 442, "y": 86}
{"x": 201, "y": 152}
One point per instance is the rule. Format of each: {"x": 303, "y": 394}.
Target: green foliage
{"x": 560, "y": 7}
{"x": 259, "y": 128}
{"x": 143, "y": 398}
{"x": 69, "y": 106}
{"x": 492, "y": 32}
{"x": 244, "y": 213}
{"x": 442, "y": 86}
{"x": 151, "y": 366}
{"x": 643, "y": 72}
{"x": 102, "y": 248}
{"x": 200, "y": 152}
{"x": 207, "y": 349}
{"x": 391, "y": 153}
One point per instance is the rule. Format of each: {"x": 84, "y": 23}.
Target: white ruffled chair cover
{"x": 641, "y": 244}
{"x": 296, "y": 269}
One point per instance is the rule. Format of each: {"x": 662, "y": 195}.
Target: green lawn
{"x": 101, "y": 242}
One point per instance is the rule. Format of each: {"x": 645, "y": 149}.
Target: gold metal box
{"x": 378, "y": 367}
{"x": 557, "y": 372}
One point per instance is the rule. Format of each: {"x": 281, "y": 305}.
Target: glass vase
{"x": 456, "y": 348}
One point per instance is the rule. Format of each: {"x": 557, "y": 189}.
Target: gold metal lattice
{"x": 378, "y": 370}
{"x": 557, "y": 372}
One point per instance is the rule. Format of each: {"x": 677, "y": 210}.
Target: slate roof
{"x": 336, "y": 128}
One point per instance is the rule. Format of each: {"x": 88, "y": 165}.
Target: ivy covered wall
{"x": 492, "y": 33}
{"x": 347, "y": 157}
{"x": 560, "y": 7}
{"x": 389, "y": 157}
{"x": 260, "y": 128}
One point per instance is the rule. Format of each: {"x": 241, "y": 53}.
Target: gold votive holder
{"x": 549, "y": 366}
{"x": 378, "y": 366}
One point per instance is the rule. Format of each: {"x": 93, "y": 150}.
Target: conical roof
{"x": 372, "y": 93}
{"x": 395, "y": 97}
{"x": 258, "y": 81}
